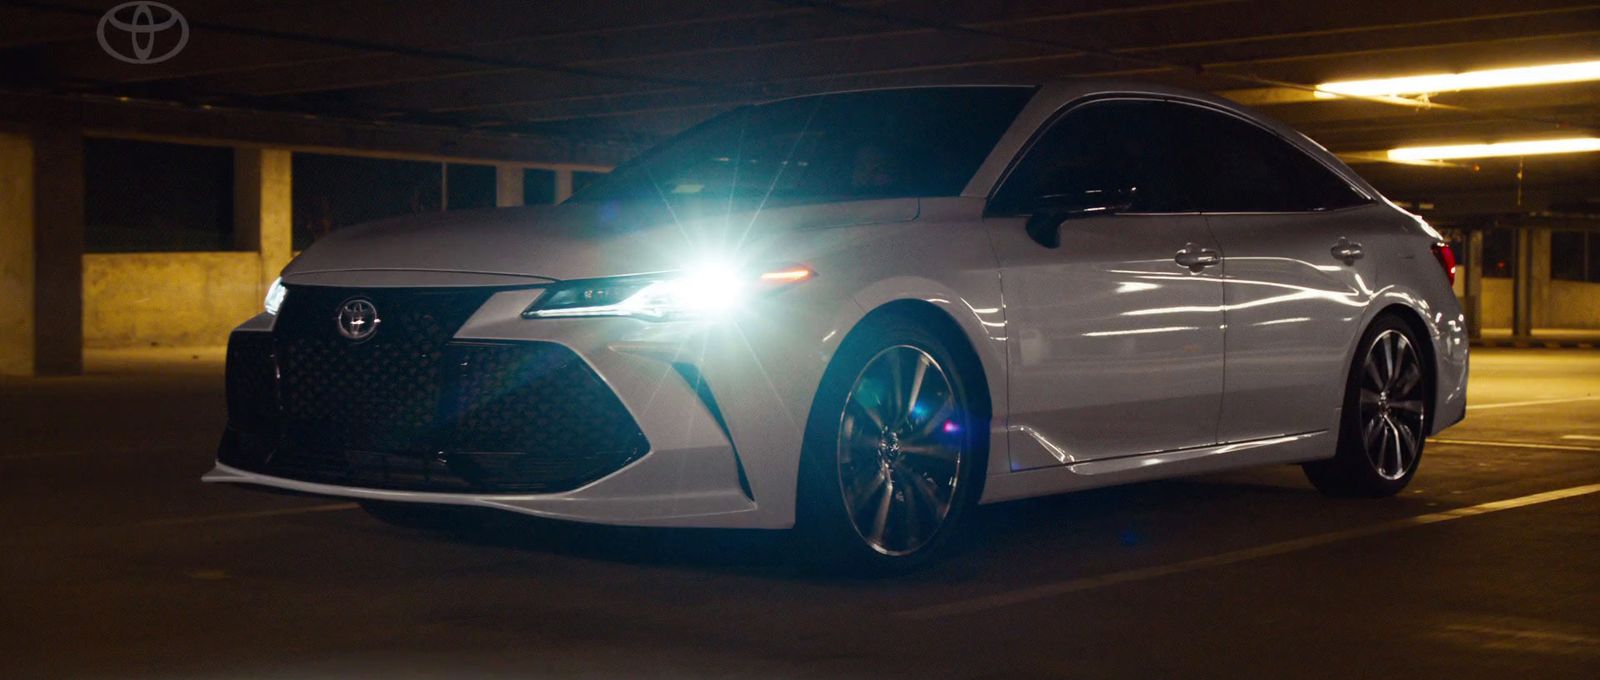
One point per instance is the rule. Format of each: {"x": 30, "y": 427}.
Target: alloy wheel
{"x": 902, "y": 436}
{"x": 1391, "y": 403}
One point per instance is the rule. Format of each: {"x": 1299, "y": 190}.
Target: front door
{"x": 1115, "y": 335}
{"x": 1115, "y": 348}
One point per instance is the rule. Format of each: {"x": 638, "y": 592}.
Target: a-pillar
{"x": 507, "y": 186}
{"x": 263, "y": 209}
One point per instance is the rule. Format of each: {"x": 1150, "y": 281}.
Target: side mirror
{"x": 1049, "y": 211}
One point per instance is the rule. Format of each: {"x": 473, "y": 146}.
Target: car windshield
{"x": 827, "y": 148}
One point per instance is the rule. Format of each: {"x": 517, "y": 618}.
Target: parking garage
{"x": 153, "y": 181}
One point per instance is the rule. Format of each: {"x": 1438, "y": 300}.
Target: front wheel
{"x": 891, "y": 449}
{"x": 1384, "y": 421}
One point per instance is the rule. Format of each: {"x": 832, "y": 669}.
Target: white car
{"x": 860, "y": 314}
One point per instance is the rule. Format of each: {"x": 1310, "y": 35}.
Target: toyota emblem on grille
{"x": 358, "y": 319}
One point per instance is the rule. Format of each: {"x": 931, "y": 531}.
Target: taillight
{"x": 1447, "y": 260}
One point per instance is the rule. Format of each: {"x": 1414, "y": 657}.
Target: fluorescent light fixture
{"x": 1544, "y": 74}
{"x": 1522, "y": 148}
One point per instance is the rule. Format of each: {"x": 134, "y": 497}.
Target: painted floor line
{"x": 1515, "y": 445}
{"x": 1582, "y": 437}
{"x": 1026, "y": 595}
{"x": 1535, "y": 402}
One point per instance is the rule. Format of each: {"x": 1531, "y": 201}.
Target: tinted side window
{"x": 1240, "y": 167}
{"x": 1104, "y": 146}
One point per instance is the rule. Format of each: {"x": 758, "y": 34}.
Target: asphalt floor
{"x": 115, "y": 561}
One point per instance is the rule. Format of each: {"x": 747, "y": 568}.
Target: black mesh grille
{"x": 408, "y": 409}
{"x": 541, "y": 400}
{"x": 251, "y": 380}
{"x": 381, "y": 394}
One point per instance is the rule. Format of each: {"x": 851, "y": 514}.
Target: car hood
{"x": 569, "y": 241}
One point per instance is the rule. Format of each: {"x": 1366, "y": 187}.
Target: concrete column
{"x": 1472, "y": 282}
{"x": 1538, "y": 277}
{"x": 263, "y": 207}
{"x": 507, "y": 186}
{"x": 246, "y": 199}
{"x": 58, "y": 238}
{"x": 444, "y": 186}
{"x": 1522, "y": 286}
{"x": 16, "y": 255}
{"x": 563, "y": 185}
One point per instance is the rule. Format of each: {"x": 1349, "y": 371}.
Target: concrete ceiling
{"x": 624, "y": 73}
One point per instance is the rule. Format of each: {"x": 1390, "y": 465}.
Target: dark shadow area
{"x": 1095, "y": 525}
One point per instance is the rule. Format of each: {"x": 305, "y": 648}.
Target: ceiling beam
{"x": 109, "y": 117}
{"x": 647, "y": 56}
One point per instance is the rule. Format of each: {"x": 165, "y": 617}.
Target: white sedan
{"x": 860, "y": 314}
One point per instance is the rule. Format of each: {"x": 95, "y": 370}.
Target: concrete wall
{"x": 1573, "y": 304}
{"x": 167, "y": 299}
{"x": 56, "y": 299}
{"x": 195, "y": 299}
{"x": 1564, "y": 304}
{"x": 1496, "y": 303}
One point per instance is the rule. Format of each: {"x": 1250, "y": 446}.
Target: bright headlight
{"x": 275, "y": 295}
{"x": 702, "y": 293}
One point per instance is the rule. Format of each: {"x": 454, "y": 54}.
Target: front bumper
{"x": 641, "y": 441}
{"x": 594, "y": 506}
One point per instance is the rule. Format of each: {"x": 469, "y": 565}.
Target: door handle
{"x": 1347, "y": 250}
{"x": 1196, "y": 258}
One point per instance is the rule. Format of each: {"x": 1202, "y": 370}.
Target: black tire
{"x": 424, "y": 516}
{"x": 940, "y": 490}
{"x": 1374, "y": 459}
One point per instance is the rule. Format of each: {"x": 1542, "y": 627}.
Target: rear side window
{"x": 1175, "y": 158}
{"x": 1118, "y": 145}
{"x": 1239, "y": 167}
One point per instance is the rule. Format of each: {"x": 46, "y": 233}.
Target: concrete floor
{"x": 118, "y": 562}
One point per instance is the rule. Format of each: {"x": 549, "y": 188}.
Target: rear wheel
{"x": 1384, "y": 422}
{"x": 891, "y": 450}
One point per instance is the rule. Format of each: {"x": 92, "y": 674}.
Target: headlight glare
{"x": 697, "y": 294}
{"x": 275, "y": 295}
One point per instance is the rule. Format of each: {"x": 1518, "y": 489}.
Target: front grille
{"x": 409, "y": 409}
{"x": 251, "y": 379}
{"x": 381, "y": 394}
{"x": 539, "y": 399}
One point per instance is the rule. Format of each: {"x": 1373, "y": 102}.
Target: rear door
{"x": 1114, "y": 347}
{"x": 1297, "y": 274}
